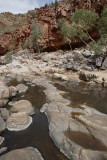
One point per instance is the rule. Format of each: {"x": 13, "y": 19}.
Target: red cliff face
{"x": 48, "y": 17}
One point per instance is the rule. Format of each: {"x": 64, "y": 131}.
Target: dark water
{"x": 37, "y": 135}
{"x": 86, "y": 141}
{"x": 81, "y": 93}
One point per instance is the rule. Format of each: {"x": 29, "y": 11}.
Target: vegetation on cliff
{"x": 81, "y": 24}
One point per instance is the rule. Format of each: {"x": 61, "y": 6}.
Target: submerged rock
{"x": 1, "y": 140}
{"x": 18, "y": 121}
{"x": 96, "y": 125}
{"x": 28, "y": 153}
{"x": 3, "y": 149}
{"x": 23, "y": 106}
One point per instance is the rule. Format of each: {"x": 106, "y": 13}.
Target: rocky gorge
{"x": 79, "y": 122}
{"x": 53, "y": 82}
{"x": 16, "y": 28}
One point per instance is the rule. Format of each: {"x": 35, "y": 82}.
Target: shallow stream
{"x": 37, "y": 135}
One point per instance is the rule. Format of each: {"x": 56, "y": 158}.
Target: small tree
{"x": 85, "y": 20}
{"x": 102, "y": 29}
{"x": 56, "y": 4}
{"x": 33, "y": 14}
{"x": 68, "y": 31}
{"x": 8, "y": 58}
{"x": 80, "y": 23}
{"x": 34, "y": 41}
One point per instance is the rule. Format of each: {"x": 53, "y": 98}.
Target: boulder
{"x": 2, "y": 124}
{"x": 28, "y": 153}
{"x": 23, "y": 106}
{"x": 4, "y": 113}
{"x": 21, "y": 88}
{"x": 86, "y": 76}
{"x": 86, "y": 54}
{"x": 4, "y": 90}
{"x": 99, "y": 61}
{"x": 60, "y": 76}
{"x": 96, "y": 125}
{"x": 3, "y": 149}
{"x": 18, "y": 121}
{"x": 104, "y": 65}
{"x": 13, "y": 91}
{"x": 1, "y": 140}
{"x": 92, "y": 155}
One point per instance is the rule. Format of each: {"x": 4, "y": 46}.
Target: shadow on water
{"x": 81, "y": 93}
{"x": 37, "y": 135}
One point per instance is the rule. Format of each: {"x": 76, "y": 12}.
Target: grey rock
{"x": 96, "y": 125}
{"x": 75, "y": 68}
{"x": 104, "y": 65}
{"x": 4, "y": 90}
{"x": 60, "y": 76}
{"x": 86, "y": 54}
{"x": 21, "y": 88}
{"x": 13, "y": 91}
{"x": 92, "y": 155}
{"x": 99, "y": 61}
{"x": 4, "y": 113}
{"x": 1, "y": 140}
{"x": 2, "y": 124}
{"x": 28, "y": 153}
{"x": 88, "y": 68}
{"x": 86, "y": 76}
{"x": 18, "y": 121}
{"x": 23, "y": 106}
{"x": 3, "y": 149}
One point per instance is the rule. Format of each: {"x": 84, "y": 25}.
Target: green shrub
{"x": 34, "y": 41}
{"x": 8, "y": 58}
{"x": 80, "y": 23}
{"x": 33, "y": 14}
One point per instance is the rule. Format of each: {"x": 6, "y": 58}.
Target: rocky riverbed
{"x": 66, "y": 124}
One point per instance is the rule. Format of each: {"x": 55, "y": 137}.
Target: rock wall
{"x": 48, "y": 17}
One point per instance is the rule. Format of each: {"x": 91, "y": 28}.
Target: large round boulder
{"x": 23, "y": 106}
{"x": 18, "y": 121}
{"x": 23, "y": 154}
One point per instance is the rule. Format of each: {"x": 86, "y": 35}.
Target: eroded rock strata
{"x": 48, "y": 17}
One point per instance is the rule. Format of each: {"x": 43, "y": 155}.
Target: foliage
{"x": 8, "y": 58}
{"x": 102, "y": 29}
{"x": 35, "y": 39}
{"x": 56, "y": 4}
{"x": 81, "y": 22}
{"x": 84, "y": 18}
{"x": 11, "y": 22}
{"x": 96, "y": 47}
{"x": 33, "y": 14}
{"x": 46, "y": 5}
{"x": 13, "y": 44}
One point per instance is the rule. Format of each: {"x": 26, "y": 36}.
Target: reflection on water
{"x": 83, "y": 94}
{"x": 37, "y": 135}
